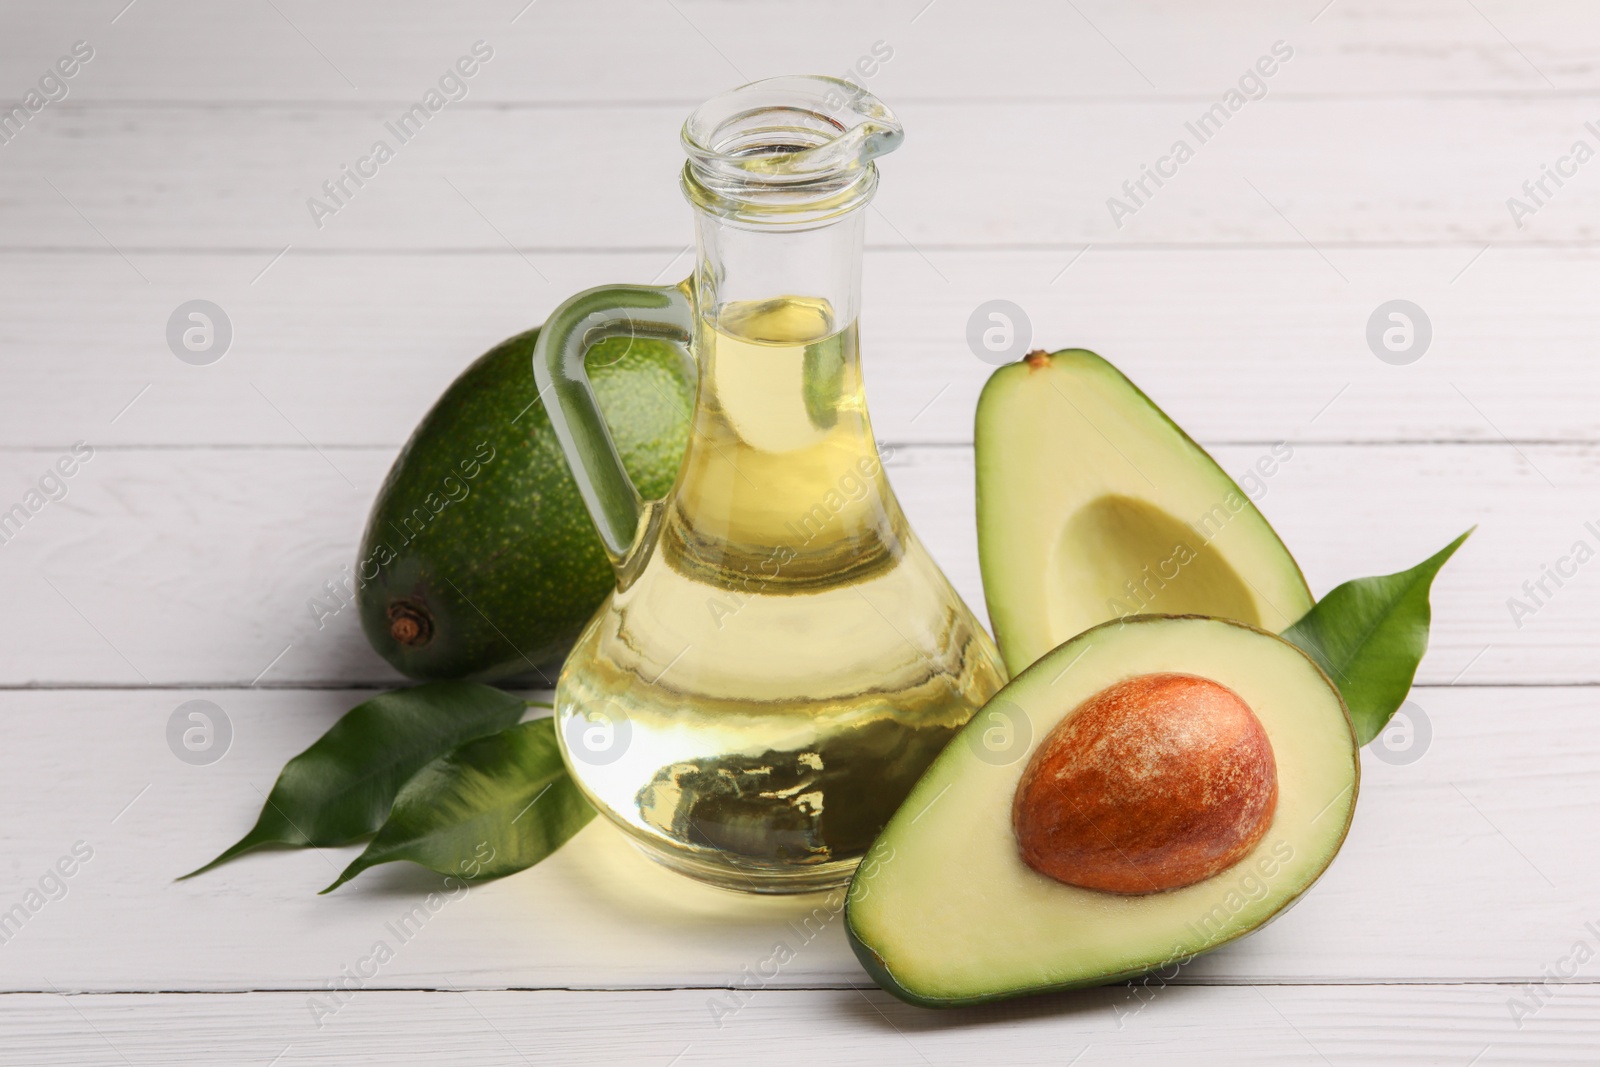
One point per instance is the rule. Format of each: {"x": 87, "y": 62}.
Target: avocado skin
{"x": 501, "y": 569}
{"x": 880, "y": 974}
{"x": 885, "y": 980}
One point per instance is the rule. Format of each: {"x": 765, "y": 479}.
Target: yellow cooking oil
{"x": 771, "y": 678}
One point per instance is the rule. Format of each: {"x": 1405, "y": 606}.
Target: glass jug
{"x": 781, "y": 658}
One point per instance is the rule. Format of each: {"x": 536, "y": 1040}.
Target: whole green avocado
{"x": 479, "y": 560}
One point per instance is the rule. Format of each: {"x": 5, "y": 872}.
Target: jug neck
{"x": 779, "y": 173}
{"x": 781, "y": 472}
{"x": 738, "y": 268}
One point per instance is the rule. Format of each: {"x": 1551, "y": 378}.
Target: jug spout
{"x": 796, "y": 149}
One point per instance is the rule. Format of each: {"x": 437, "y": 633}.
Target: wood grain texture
{"x": 221, "y": 498}
{"x": 1237, "y": 345}
{"x": 613, "y": 51}
{"x": 1269, "y": 1026}
{"x": 1490, "y": 814}
{"x": 184, "y": 567}
{"x": 1280, "y": 172}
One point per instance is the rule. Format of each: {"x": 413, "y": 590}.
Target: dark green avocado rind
{"x": 479, "y": 527}
{"x": 879, "y": 971}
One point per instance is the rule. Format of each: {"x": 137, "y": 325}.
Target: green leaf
{"x": 1369, "y": 634}
{"x": 341, "y": 787}
{"x": 494, "y": 806}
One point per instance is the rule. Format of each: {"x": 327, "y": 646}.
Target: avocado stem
{"x": 410, "y": 624}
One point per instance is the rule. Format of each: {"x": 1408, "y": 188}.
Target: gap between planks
{"x": 865, "y": 983}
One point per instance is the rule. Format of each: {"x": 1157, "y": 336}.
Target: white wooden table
{"x": 220, "y": 498}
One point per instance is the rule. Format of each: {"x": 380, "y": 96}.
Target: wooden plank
{"x": 1268, "y": 1026}
{"x": 1280, "y": 172}
{"x": 1422, "y": 890}
{"x": 1238, "y": 345}
{"x": 189, "y": 50}
{"x": 184, "y": 567}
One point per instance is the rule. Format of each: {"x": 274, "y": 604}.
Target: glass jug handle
{"x": 662, "y": 313}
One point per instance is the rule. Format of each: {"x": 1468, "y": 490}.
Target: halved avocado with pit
{"x": 1093, "y": 504}
{"x": 1148, "y": 791}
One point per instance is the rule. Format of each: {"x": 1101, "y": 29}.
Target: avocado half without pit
{"x": 1093, "y": 504}
{"x": 1150, "y": 790}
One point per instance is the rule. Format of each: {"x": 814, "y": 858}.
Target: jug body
{"x": 782, "y": 657}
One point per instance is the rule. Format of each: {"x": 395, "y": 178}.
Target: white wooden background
{"x": 220, "y": 498}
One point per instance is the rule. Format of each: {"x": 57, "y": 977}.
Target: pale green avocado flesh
{"x": 943, "y": 911}
{"x": 1093, "y": 505}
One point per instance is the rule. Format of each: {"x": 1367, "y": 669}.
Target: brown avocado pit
{"x": 1153, "y": 783}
